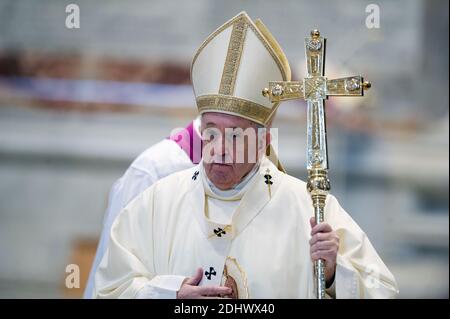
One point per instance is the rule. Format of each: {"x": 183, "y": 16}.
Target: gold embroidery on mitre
{"x": 275, "y": 47}
{"x": 241, "y": 24}
{"x": 233, "y": 58}
{"x": 233, "y": 105}
{"x": 279, "y": 53}
{"x": 284, "y": 72}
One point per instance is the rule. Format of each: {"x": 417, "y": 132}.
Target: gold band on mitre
{"x": 233, "y": 105}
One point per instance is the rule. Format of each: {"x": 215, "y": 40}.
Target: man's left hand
{"x": 324, "y": 244}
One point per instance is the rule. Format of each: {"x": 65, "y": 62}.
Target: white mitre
{"x": 233, "y": 65}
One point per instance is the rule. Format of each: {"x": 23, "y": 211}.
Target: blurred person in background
{"x": 176, "y": 153}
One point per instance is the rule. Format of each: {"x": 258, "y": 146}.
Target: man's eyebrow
{"x": 209, "y": 124}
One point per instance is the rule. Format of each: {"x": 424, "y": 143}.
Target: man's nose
{"x": 222, "y": 146}
{"x": 225, "y": 149}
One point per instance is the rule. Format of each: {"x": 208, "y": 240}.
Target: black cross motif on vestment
{"x": 219, "y": 232}
{"x": 268, "y": 178}
{"x": 210, "y": 273}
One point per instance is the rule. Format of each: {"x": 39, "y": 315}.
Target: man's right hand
{"x": 190, "y": 289}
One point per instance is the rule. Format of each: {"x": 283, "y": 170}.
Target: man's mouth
{"x": 222, "y": 164}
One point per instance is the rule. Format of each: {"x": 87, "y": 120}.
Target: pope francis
{"x": 236, "y": 225}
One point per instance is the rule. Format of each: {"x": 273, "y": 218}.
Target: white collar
{"x": 234, "y": 193}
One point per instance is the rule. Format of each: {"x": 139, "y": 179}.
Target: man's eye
{"x": 210, "y": 135}
{"x": 234, "y": 135}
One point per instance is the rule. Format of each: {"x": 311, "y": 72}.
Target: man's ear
{"x": 264, "y": 138}
{"x": 268, "y": 136}
{"x": 201, "y": 125}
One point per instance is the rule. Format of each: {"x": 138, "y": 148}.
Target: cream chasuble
{"x": 263, "y": 252}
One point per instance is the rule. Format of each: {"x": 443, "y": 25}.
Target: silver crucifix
{"x": 315, "y": 88}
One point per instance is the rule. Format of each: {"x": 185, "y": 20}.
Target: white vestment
{"x": 158, "y": 161}
{"x": 169, "y": 231}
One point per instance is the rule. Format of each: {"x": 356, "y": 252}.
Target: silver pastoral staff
{"x": 315, "y": 88}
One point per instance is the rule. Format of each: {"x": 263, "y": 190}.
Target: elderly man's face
{"x": 231, "y": 147}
